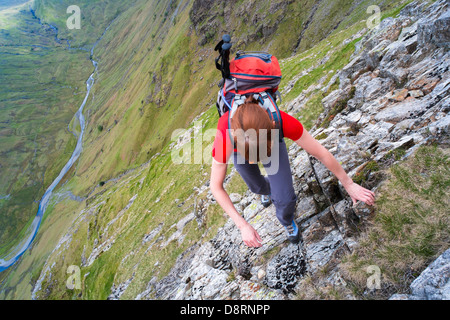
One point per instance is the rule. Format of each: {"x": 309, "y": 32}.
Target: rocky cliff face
{"x": 397, "y": 95}
{"x": 208, "y": 17}
{"x": 281, "y": 26}
{"x": 392, "y": 95}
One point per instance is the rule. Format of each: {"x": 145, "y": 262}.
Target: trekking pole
{"x": 226, "y": 47}
{"x": 223, "y": 60}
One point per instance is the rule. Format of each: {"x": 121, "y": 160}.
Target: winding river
{"x": 21, "y": 248}
{"x": 33, "y": 229}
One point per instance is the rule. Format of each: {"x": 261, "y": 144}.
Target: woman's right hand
{"x": 250, "y": 236}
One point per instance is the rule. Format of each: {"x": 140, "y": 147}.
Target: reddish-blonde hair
{"x": 252, "y": 130}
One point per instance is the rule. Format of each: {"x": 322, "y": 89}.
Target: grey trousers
{"x": 278, "y": 183}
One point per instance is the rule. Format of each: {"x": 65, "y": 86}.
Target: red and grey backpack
{"x": 250, "y": 73}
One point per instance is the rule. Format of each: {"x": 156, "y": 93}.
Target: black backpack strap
{"x": 237, "y": 101}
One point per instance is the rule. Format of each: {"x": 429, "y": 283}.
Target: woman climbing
{"x": 249, "y": 132}
{"x": 252, "y": 129}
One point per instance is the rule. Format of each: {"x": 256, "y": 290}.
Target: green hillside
{"x": 43, "y": 85}
{"x": 155, "y": 75}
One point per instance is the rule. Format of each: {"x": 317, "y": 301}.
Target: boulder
{"x": 432, "y": 284}
{"x": 435, "y": 33}
{"x": 407, "y": 109}
{"x": 285, "y": 269}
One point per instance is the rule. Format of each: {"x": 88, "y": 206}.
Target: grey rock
{"x": 403, "y": 127}
{"x": 149, "y": 237}
{"x": 318, "y": 254}
{"x": 413, "y": 9}
{"x": 351, "y": 151}
{"x": 235, "y": 197}
{"x": 433, "y": 283}
{"x": 372, "y": 88}
{"x": 321, "y": 240}
{"x": 435, "y": 33}
{"x": 407, "y": 109}
{"x": 306, "y": 208}
{"x": 353, "y": 117}
{"x": 442, "y": 126}
{"x": 252, "y": 210}
{"x": 118, "y": 291}
{"x": 404, "y": 142}
{"x": 400, "y": 297}
{"x": 345, "y": 217}
{"x": 355, "y": 66}
{"x": 284, "y": 270}
{"x": 333, "y": 98}
{"x": 393, "y": 52}
{"x": 301, "y": 165}
{"x": 378, "y": 130}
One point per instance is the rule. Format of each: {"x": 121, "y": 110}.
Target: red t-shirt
{"x": 223, "y": 148}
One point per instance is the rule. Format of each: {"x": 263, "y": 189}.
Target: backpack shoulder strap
{"x": 236, "y": 102}
{"x": 272, "y": 109}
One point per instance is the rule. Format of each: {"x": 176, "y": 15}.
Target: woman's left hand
{"x": 314, "y": 148}
{"x": 357, "y": 192}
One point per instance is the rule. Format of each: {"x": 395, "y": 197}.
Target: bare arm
{"x": 248, "y": 233}
{"x": 314, "y": 148}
